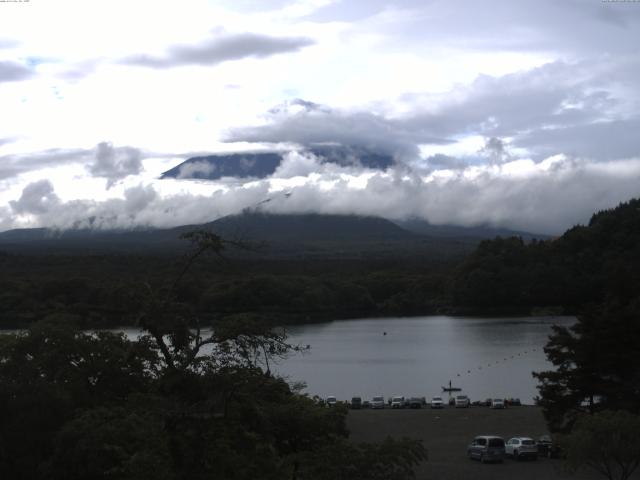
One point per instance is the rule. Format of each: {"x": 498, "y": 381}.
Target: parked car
{"x": 521, "y": 447}
{"x": 397, "y": 402}
{"x": 547, "y": 448}
{"x": 437, "y": 402}
{"x": 366, "y": 404}
{"x": 514, "y": 402}
{"x": 356, "y": 403}
{"x": 415, "y": 402}
{"x": 377, "y": 402}
{"x": 497, "y": 403}
{"x": 331, "y": 401}
{"x": 462, "y": 401}
{"x": 486, "y": 448}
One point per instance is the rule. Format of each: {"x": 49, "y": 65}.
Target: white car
{"x": 397, "y": 402}
{"x": 462, "y": 401}
{"x": 437, "y": 402}
{"x": 377, "y": 402}
{"x": 331, "y": 401}
{"x": 521, "y": 447}
{"x": 497, "y": 403}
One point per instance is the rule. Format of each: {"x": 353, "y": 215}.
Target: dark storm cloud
{"x": 13, "y": 72}
{"x": 115, "y": 163}
{"x": 221, "y": 49}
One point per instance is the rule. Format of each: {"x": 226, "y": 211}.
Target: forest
{"x": 585, "y": 265}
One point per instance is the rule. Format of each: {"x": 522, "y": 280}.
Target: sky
{"x": 522, "y": 114}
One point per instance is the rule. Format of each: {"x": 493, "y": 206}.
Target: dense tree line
{"x": 100, "y": 291}
{"x": 592, "y": 396}
{"x": 586, "y": 265}
{"x": 172, "y": 404}
{"x": 505, "y": 275}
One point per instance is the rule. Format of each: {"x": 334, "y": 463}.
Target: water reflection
{"x": 486, "y": 357}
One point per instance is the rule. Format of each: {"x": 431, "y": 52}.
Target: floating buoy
{"x": 384, "y": 333}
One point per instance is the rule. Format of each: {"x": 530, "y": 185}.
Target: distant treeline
{"x": 105, "y": 291}
{"x": 588, "y": 264}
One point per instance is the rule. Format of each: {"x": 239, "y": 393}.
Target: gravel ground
{"x": 447, "y": 432}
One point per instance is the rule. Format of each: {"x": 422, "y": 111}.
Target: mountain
{"x": 281, "y": 236}
{"x": 275, "y": 236}
{"x": 263, "y": 164}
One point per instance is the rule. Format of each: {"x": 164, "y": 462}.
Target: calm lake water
{"x": 486, "y": 357}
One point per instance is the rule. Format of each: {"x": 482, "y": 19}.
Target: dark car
{"x": 356, "y": 403}
{"x": 487, "y": 448}
{"x": 547, "y": 448}
{"x": 415, "y": 402}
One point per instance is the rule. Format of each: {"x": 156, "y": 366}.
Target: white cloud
{"x": 433, "y": 83}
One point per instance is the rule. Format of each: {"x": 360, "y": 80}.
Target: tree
{"x": 608, "y": 442}
{"x": 596, "y": 363}
{"x": 179, "y": 402}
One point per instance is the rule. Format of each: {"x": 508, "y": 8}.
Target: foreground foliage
{"x": 596, "y": 365}
{"x": 176, "y": 403}
{"x": 608, "y": 442}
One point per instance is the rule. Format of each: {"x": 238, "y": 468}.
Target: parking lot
{"x": 447, "y": 432}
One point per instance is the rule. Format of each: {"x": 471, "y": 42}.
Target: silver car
{"x": 377, "y": 402}
{"x": 522, "y": 447}
{"x": 487, "y": 448}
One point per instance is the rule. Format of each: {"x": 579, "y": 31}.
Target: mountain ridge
{"x": 280, "y": 235}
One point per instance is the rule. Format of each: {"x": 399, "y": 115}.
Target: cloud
{"x": 16, "y": 164}
{"x": 115, "y": 163}
{"x": 13, "y": 72}
{"x": 545, "y": 197}
{"x": 220, "y": 49}
{"x": 308, "y": 124}
{"x": 8, "y": 43}
{"x": 38, "y": 198}
{"x": 441, "y": 161}
{"x": 495, "y": 150}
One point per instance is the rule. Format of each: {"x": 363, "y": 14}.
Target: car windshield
{"x": 437, "y": 399}
{"x": 497, "y": 400}
{"x": 378, "y": 399}
{"x": 528, "y": 442}
{"x": 397, "y": 399}
{"x": 331, "y": 399}
{"x": 461, "y": 397}
{"x": 496, "y": 442}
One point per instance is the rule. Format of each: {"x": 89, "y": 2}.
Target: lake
{"x": 486, "y": 357}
